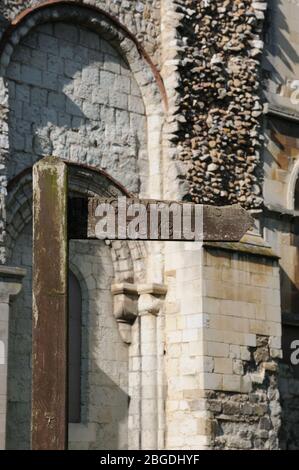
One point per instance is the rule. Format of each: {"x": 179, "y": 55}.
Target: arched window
{"x": 296, "y": 196}
{"x": 75, "y": 314}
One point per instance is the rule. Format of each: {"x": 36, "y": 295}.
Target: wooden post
{"x": 50, "y": 329}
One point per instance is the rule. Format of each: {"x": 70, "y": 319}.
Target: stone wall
{"x": 242, "y": 303}
{"x": 289, "y": 392}
{"x": 281, "y": 168}
{"x": 281, "y": 160}
{"x": 141, "y": 17}
{"x": 223, "y": 342}
{"x": 104, "y": 362}
{"x": 72, "y": 95}
{"x": 281, "y": 53}
{"x": 19, "y": 351}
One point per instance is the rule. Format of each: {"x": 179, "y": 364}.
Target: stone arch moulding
{"x": 143, "y": 69}
{"x": 293, "y": 178}
{"x": 87, "y": 181}
{"x": 49, "y": 10}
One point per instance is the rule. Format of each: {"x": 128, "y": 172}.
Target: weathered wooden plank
{"x": 49, "y": 342}
{"x": 227, "y": 223}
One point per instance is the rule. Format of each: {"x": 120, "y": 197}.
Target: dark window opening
{"x": 296, "y": 196}
{"x": 75, "y": 314}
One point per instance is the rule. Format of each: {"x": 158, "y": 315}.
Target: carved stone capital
{"x": 125, "y": 302}
{"x": 125, "y": 308}
{"x": 151, "y": 297}
{"x": 130, "y": 300}
{"x": 10, "y": 281}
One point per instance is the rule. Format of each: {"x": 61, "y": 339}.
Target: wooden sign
{"x": 140, "y": 219}
{"x": 56, "y": 219}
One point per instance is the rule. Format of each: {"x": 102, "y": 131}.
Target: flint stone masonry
{"x": 204, "y": 374}
{"x": 86, "y": 107}
{"x": 218, "y": 129}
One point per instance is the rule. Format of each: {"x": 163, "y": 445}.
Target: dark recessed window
{"x": 75, "y": 315}
{"x": 296, "y": 196}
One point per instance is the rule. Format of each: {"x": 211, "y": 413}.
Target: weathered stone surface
{"x": 91, "y": 111}
{"x": 219, "y": 98}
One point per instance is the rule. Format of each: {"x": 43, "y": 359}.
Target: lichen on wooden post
{"x": 50, "y": 329}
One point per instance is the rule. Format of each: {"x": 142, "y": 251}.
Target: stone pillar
{"x": 242, "y": 344}
{"x": 10, "y": 286}
{"x": 136, "y": 310}
{"x": 223, "y": 342}
{"x": 149, "y": 304}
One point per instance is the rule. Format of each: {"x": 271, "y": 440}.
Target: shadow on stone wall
{"x": 72, "y": 95}
{"x": 103, "y": 402}
{"x": 289, "y": 399}
{"x": 279, "y": 47}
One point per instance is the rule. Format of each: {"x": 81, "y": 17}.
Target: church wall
{"x": 242, "y": 305}
{"x": 280, "y": 157}
{"x": 223, "y": 344}
{"x": 19, "y": 351}
{"x": 141, "y": 17}
{"x": 280, "y": 58}
{"x": 72, "y": 95}
{"x": 222, "y": 311}
{"x": 104, "y": 362}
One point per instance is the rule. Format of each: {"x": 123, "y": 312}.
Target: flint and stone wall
{"x": 71, "y": 93}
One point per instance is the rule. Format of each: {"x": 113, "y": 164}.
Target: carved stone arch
{"x": 97, "y": 19}
{"x": 128, "y": 257}
{"x": 144, "y": 71}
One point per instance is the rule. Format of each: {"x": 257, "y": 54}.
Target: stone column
{"x": 149, "y": 304}
{"x": 10, "y": 286}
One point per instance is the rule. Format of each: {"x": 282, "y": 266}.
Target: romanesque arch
{"x": 84, "y": 77}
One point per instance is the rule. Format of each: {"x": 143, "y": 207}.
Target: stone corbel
{"x": 151, "y": 297}
{"x": 130, "y": 300}
{"x": 125, "y": 308}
